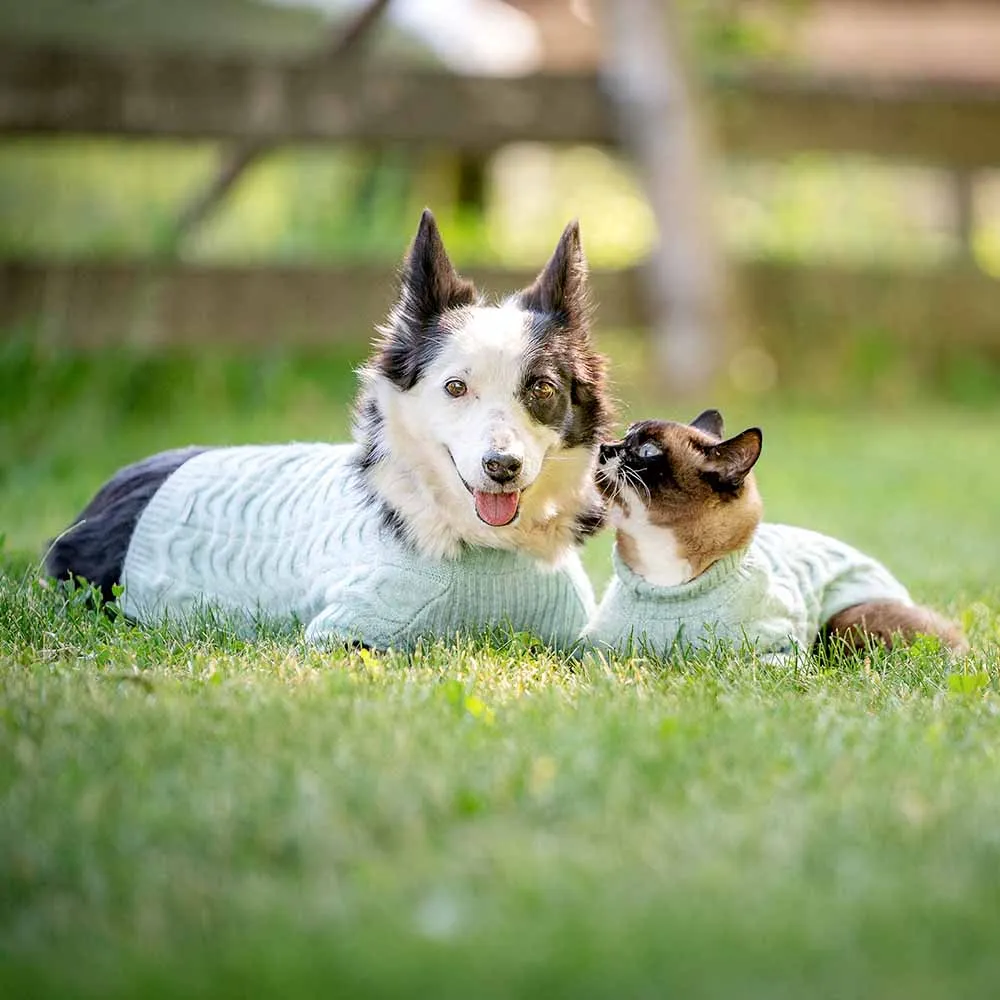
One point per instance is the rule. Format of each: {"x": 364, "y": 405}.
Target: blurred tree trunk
{"x": 661, "y": 125}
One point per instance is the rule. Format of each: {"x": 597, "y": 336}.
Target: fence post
{"x": 645, "y": 73}
{"x": 963, "y": 199}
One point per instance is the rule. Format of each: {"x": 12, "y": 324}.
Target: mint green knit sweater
{"x": 287, "y": 533}
{"x": 771, "y": 597}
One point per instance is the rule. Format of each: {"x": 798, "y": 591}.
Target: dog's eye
{"x": 649, "y": 449}
{"x": 542, "y": 389}
{"x": 455, "y": 387}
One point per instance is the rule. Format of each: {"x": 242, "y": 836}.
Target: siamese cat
{"x": 694, "y": 565}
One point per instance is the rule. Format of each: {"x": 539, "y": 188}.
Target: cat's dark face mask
{"x": 665, "y": 462}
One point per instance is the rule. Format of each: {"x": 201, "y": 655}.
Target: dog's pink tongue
{"x": 497, "y": 509}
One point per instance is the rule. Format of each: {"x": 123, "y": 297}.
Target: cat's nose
{"x": 609, "y": 451}
{"x": 501, "y": 467}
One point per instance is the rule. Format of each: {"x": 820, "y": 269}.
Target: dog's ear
{"x": 710, "y": 421}
{"x": 561, "y": 287}
{"x": 430, "y": 284}
{"x": 728, "y": 463}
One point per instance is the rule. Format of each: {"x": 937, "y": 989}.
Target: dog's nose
{"x": 501, "y": 467}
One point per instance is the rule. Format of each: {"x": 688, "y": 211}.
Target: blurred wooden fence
{"x": 214, "y": 97}
{"x": 956, "y": 128}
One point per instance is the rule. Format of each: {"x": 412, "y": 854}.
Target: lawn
{"x": 207, "y": 817}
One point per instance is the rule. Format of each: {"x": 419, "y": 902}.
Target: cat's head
{"x": 680, "y": 496}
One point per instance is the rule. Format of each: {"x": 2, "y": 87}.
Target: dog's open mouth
{"x": 496, "y": 509}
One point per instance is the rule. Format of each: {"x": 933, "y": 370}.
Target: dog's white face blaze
{"x": 487, "y": 354}
{"x": 437, "y": 441}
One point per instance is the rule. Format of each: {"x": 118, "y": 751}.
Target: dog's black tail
{"x": 93, "y": 547}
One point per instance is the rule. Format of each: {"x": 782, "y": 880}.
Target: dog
{"x": 476, "y": 429}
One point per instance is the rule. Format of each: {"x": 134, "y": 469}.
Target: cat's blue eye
{"x": 649, "y": 449}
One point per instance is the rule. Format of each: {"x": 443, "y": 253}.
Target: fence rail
{"x": 196, "y": 96}
{"x": 793, "y": 309}
{"x": 797, "y": 309}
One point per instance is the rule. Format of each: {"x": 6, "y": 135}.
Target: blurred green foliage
{"x": 723, "y": 31}
{"x": 73, "y": 196}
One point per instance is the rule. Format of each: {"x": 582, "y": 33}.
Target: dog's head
{"x": 486, "y": 418}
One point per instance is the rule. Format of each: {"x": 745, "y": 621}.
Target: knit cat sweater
{"x": 288, "y": 533}
{"x": 771, "y": 597}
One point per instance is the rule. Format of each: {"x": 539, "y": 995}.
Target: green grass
{"x": 206, "y": 817}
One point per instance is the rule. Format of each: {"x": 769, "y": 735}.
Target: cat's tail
{"x": 892, "y": 623}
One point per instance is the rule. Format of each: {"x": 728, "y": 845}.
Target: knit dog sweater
{"x": 289, "y": 533}
{"x": 771, "y": 597}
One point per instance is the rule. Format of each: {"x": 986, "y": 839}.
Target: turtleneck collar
{"x": 724, "y": 574}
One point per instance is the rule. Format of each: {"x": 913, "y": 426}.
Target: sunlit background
{"x": 863, "y": 281}
{"x": 113, "y": 197}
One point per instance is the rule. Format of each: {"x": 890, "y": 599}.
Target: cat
{"x": 695, "y": 565}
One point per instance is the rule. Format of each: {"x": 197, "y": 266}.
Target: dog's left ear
{"x": 430, "y": 284}
{"x": 728, "y": 463}
{"x": 561, "y": 287}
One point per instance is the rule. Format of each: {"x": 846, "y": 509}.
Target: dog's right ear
{"x": 430, "y": 284}
{"x": 561, "y": 288}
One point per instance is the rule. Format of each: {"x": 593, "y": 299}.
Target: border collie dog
{"x": 457, "y": 509}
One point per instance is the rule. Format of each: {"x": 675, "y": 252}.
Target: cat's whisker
{"x": 633, "y": 480}
{"x": 613, "y": 481}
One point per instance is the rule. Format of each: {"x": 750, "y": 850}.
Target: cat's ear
{"x": 728, "y": 463}
{"x": 710, "y": 421}
{"x": 430, "y": 284}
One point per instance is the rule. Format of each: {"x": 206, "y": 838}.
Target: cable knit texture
{"x": 287, "y": 533}
{"x": 771, "y": 597}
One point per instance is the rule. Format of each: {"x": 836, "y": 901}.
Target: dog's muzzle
{"x": 495, "y": 507}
